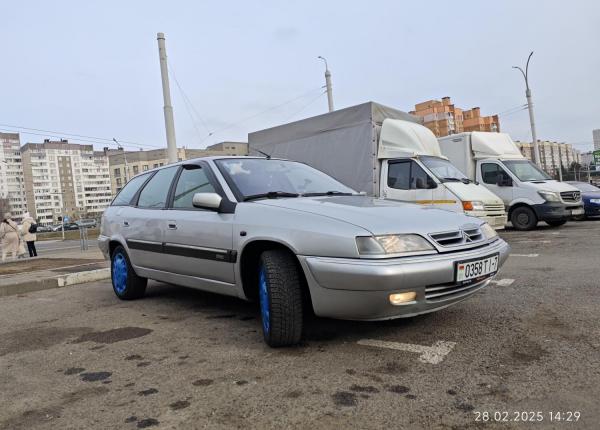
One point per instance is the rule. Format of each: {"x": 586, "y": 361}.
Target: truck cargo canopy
{"x": 494, "y": 145}
{"x": 400, "y": 138}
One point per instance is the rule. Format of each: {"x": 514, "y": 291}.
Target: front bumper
{"x": 555, "y": 211}
{"x": 592, "y": 209}
{"x": 359, "y": 289}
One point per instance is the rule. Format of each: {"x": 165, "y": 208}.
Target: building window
{"x": 136, "y": 170}
{"x": 145, "y": 167}
{"x": 117, "y": 172}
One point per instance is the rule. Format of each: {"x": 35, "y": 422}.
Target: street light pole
{"x": 125, "y": 159}
{"x": 536, "y": 149}
{"x": 328, "y": 85}
{"x": 168, "y": 109}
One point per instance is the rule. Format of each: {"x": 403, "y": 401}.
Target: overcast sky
{"x": 91, "y": 68}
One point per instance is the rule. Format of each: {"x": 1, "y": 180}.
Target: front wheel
{"x": 523, "y": 218}
{"x": 556, "y": 223}
{"x": 280, "y": 294}
{"x": 127, "y": 285}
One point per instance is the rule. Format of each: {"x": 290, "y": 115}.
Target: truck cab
{"x": 413, "y": 169}
{"x": 529, "y": 194}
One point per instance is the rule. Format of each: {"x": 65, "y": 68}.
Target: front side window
{"x": 525, "y": 170}
{"x": 408, "y": 175}
{"x": 489, "y": 173}
{"x": 154, "y": 195}
{"x": 192, "y": 180}
{"x": 126, "y": 194}
{"x": 257, "y": 176}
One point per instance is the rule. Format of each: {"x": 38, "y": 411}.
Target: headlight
{"x": 392, "y": 244}
{"x": 549, "y": 196}
{"x": 596, "y": 201}
{"x": 473, "y": 206}
{"x": 488, "y": 231}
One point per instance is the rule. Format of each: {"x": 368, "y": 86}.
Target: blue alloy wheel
{"x": 264, "y": 299}
{"x": 119, "y": 273}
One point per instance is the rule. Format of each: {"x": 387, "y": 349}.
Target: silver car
{"x": 287, "y": 235}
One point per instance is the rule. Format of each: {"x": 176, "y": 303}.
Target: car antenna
{"x": 268, "y": 156}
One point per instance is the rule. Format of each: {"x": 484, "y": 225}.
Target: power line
{"x": 305, "y": 106}
{"x": 80, "y": 137}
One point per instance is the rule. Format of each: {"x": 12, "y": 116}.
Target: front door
{"x": 198, "y": 242}
{"x": 488, "y": 174}
{"x": 407, "y": 181}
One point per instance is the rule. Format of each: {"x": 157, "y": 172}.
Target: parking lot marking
{"x": 429, "y": 354}
{"x": 503, "y": 282}
{"x": 525, "y": 255}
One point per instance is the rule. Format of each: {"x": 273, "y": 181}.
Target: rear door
{"x": 198, "y": 242}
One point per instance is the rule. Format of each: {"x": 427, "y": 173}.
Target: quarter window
{"x": 126, "y": 194}
{"x": 154, "y": 195}
{"x": 192, "y": 180}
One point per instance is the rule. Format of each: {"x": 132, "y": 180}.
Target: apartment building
{"x": 65, "y": 179}
{"x": 11, "y": 174}
{"x": 124, "y": 165}
{"x": 596, "y": 136}
{"x": 552, "y": 155}
{"x": 443, "y": 118}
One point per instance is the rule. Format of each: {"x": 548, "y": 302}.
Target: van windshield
{"x": 525, "y": 170}
{"x": 443, "y": 169}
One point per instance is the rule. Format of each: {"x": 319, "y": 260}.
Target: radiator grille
{"x": 458, "y": 237}
{"x": 570, "y": 196}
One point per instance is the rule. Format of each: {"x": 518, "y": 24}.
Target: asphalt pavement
{"x": 512, "y": 356}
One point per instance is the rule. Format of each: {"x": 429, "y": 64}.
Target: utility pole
{"x": 328, "y": 85}
{"x": 169, "y": 123}
{"x": 559, "y": 164}
{"x": 536, "y": 149}
{"x": 125, "y": 159}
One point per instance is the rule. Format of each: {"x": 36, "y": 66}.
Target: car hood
{"x": 552, "y": 185}
{"x": 377, "y": 215}
{"x": 590, "y": 195}
{"x": 473, "y": 192}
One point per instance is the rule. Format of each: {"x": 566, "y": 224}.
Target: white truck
{"x": 529, "y": 194}
{"x": 383, "y": 152}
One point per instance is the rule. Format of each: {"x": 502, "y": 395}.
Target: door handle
{"x": 172, "y": 225}
{"x": 126, "y": 223}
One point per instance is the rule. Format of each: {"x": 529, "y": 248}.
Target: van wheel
{"x": 556, "y": 223}
{"x": 523, "y": 218}
{"x": 280, "y": 294}
{"x": 126, "y": 284}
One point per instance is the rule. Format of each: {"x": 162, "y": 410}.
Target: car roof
{"x": 211, "y": 158}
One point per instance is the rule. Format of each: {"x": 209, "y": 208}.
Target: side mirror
{"x": 211, "y": 201}
{"x": 504, "y": 180}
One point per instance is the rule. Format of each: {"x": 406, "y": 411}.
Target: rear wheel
{"x": 556, "y": 223}
{"x": 127, "y": 285}
{"x": 280, "y": 295}
{"x": 523, "y": 218}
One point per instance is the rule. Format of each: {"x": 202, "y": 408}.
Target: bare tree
{"x": 4, "y": 207}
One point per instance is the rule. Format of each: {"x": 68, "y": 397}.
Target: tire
{"x": 580, "y": 218}
{"x": 523, "y": 218}
{"x": 556, "y": 223}
{"x": 280, "y": 297}
{"x": 127, "y": 285}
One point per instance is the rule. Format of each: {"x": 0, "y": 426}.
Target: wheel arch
{"x": 248, "y": 265}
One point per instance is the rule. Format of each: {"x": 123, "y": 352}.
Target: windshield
{"x": 582, "y": 186}
{"x": 277, "y": 178}
{"x": 443, "y": 169}
{"x": 525, "y": 170}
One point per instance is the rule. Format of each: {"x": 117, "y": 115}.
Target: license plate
{"x": 468, "y": 271}
{"x": 579, "y": 211}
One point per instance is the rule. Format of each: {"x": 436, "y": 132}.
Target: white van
{"x": 528, "y": 193}
{"x": 386, "y": 153}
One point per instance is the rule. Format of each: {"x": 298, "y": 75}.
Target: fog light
{"x": 402, "y": 298}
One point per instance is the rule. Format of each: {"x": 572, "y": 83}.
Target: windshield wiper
{"x": 327, "y": 193}
{"x": 451, "y": 180}
{"x": 270, "y": 195}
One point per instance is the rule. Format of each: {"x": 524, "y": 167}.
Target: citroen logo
{"x": 466, "y": 237}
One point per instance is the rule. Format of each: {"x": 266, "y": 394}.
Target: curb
{"x": 55, "y": 282}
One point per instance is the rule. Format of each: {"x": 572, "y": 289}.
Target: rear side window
{"x": 126, "y": 194}
{"x": 489, "y": 173}
{"x": 192, "y": 180}
{"x": 154, "y": 195}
